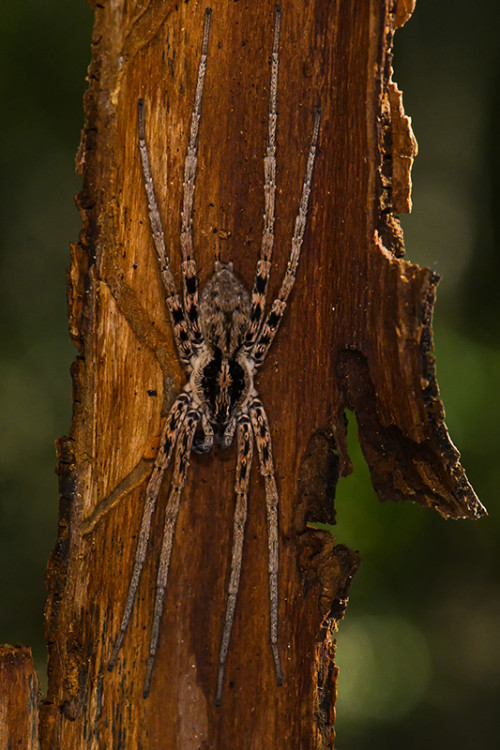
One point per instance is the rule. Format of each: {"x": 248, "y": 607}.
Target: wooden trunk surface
{"x": 19, "y": 696}
{"x": 356, "y": 334}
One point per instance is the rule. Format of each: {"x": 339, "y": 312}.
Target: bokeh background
{"x": 419, "y": 649}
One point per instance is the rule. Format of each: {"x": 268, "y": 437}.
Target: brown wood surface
{"x": 18, "y": 699}
{"x": 356, "y": 335}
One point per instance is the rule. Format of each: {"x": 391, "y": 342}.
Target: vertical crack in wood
{"x": 326, "y": 570}
{"x": 374, "y": 303}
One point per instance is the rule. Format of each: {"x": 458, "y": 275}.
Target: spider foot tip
{"x": 220, "y": 685}
{"x": 146, "y": 691}
{"x": 112, "y": 661}
{"x": 277, "y": 665}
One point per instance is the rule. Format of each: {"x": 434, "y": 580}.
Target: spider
{"x": 222, "y": 337}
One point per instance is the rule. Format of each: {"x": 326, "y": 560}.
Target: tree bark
{"x": 356, "y": 335}
{"x": 18, "y": 698}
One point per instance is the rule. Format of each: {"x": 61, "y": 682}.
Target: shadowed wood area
{"x": 356, "y": 334}
{"x": 19, "y": 694}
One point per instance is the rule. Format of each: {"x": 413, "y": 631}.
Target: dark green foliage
{"x": 426, "y": 601}
{"x": 44, "y": 52}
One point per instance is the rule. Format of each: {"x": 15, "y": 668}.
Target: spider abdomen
{"x": 225, "y": 311}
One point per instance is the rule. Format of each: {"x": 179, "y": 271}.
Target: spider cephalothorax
{"x": 222, "y": 337}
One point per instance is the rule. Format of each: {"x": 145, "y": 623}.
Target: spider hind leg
{"x": 275, "y": 315}
{"x": 263, "y": 270}
{"x": 188, "y": 266}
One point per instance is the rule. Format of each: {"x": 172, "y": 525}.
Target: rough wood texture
{"x": 18, "y": 699}
{"x": 356, "y": 334}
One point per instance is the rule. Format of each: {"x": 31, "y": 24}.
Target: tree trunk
{"x": 18, "y": 699}
{"x": 356, "y": 335}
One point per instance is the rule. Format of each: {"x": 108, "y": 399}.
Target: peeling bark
{"x": 357, "y": 335}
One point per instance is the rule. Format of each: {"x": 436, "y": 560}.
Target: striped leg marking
{"x": 183, "y": 451}
{"x": 273, "y": 320}
{"x": 168, "y": 439}
{"x": 245, "y": 452}
{"x": 263, "y": 271}
{"x": 189, "y": 183}
{"x": 179, "y": 323}
{"x": 263, "y": 439}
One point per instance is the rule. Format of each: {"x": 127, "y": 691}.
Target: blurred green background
{"x": 44, "y": 53}
{"x": 418, "y": 650}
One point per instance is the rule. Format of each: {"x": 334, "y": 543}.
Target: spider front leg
{"x": 245, "y": 452}
{"x": 173, "y": 425}
{"x": 183, "y": 451}
{"x": 263, "y": 439}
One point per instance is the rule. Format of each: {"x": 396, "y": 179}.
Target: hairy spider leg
{"x": 180, "y": 326}
{"x": 189, "y": 182}
{"x": 263, "y": 271}
{"x": 263, "y": 439}
{"x": 275, "y": 315}
{"x": 245, "y": 453}
{"x": 168, "y": 439}
{"x": 204, "y": 445}
{"x": 183, "y": 451}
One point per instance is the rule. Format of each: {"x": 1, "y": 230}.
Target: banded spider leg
{"x": 221, "y": 337}
{"x": 258, "y": 340}
{"x": 188, "y": 338}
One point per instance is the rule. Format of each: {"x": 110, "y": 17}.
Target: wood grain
{"x": 19, "y": 694}
{"x": 356, "y": 335}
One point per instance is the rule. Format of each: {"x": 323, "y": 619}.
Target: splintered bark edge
{"x": 353, "y": 293}
{"x": 401, "y": 417}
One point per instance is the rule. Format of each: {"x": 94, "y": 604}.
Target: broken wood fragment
{"x": 357, "y": 335}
